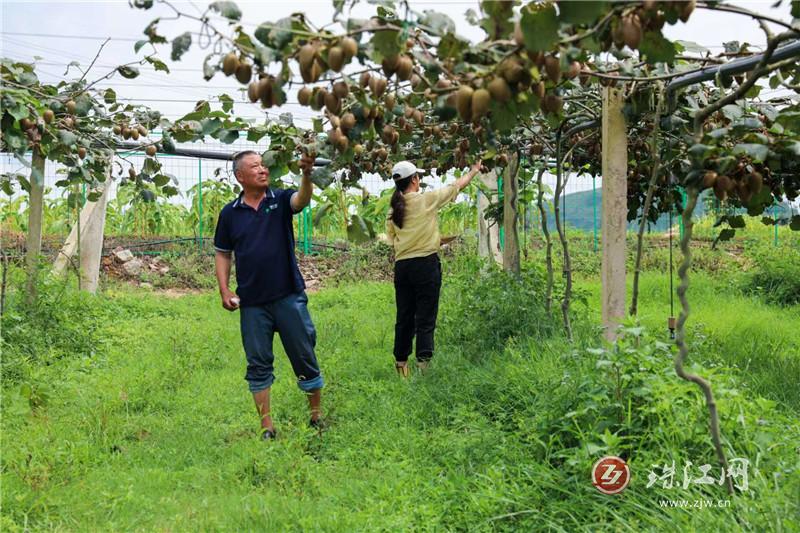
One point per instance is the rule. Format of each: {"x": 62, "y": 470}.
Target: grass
{"x": 154, "y": 429}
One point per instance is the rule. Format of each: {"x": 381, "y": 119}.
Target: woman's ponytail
{"x": 398, "y": 202}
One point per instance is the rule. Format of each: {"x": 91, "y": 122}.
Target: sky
{"x": 64, "y": 31}
{"x": 60, "y": 32}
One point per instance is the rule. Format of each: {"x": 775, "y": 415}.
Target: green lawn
{"x": 156, "y": 430}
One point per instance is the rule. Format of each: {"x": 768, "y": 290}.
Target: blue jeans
{"x": 290, "y": 318}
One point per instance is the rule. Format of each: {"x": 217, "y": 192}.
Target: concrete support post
{"x": 614, "y": 210}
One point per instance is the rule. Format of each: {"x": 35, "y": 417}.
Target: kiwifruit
{"x": 334, "y": 134}
{"x": 686, "y": 9}
{"x": 126, "y": 133}
{"x": 81, "y": 152}
{"x": 390, "y": 101}
{"x": 341, "y": 89}
{"x": 134, "y": 134}
{"x": 348, "y": 121}
{"x": 480, "y": 103}
{"x": 719, "y": 190}
{"x": 395, "y": 138}
{"x": 537, "y": 58}
{"x": 117, "y": 129}
{"x": 332, "y": 103}
{"x": 389, "y": 65}
{"x": 519, "y": 37}
{"x": 381, "y": 153}
{"x": 552, "y": 103}
{"x": 306, "y": 56}
{"x": 230, "y": 63}
{"x": 317, "y": 68}
{"x": 437, "y": 131}
{"x": 709, "y": 179}
{"x": 368, "y": 166}
{"x": 464, "y": 102}
{"x": 244, "y": 72}
{"x": 342, "y": 143}
{"x": 499, "y": 89}
{"x": 539, "y": 89}
{"x": 150, "y": 150}
{"x": 574, "y": 70}
{"x": 132, "y": 172}
{"x": 744, "y": 192}
{"x": 408, "y": 111}
{"x": 336, "y": 58}
{"x": 349, "y": 47}
{"x": 427, "y": 131}
{"x": 48, "y": 116}
{"x": 415, "y": 81}
{"x": 142, "y": 130}
{"x": 70, "y": 105}
{"x": 755, "y": 182}
{"x": 503, "y": 159}
{"x": 402, "y": 121}
{"x": 631, "y": 31}
{"x": 536, "y": 149}
{"x": 319, "y": 98}
{"x": 405, "y": 67}
{"x": 552, "y": 66}
{"x": 358, "y": 149}
{"x": 649, "y": 5}
{"x": 265, "y": 91}
{"x": 252, "y": 91}
{"x": 304, "y": 96}
{"x": 419, "y": 117}
{"x": 408, "y": 128}
{"x": 377, "y": 85}
{"x": 511, "y": 70}
{"x": 364, "y": 79}
{"x": 387, "y": 133}
{"x": 25, "y": 124}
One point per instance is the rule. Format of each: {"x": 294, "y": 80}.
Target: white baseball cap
{"x": 404, "y": 169}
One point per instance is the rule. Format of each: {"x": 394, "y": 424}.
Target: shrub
{"x": 482, "y": 307}
{"x": 776, "y": 276}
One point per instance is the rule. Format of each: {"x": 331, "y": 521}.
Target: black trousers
{"x": 417, "y": 282}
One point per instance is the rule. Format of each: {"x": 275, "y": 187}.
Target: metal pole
{"x": 200, "y": 202}
{"x": 594, "y": 210}
{"x": 501, "y": 232}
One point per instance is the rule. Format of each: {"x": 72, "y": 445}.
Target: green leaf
{"x": 656, "y": 48}
{"x": 169, "y": 190}
{"x": 758, "y": 152}
{"x": 539, "y": 25}
{"x": 795, "y": 9}
{"x": 209, "y": 68}
{"x": 109, "y": 96}
{"x": 584, "y": 12}
{"x": 275, "y": 34}
{"x": 725, "y": 235}
{"x": 227, "y": 102}
{"x": 228, "y": 136}
{"x": 736, "y": 221}
{"x": 160, "y": 180}
{"x": 139, "y": 44}
{"x": 385, "y": 43}
{"x": 357, "y": 230}
{"x": 451, "y": 46}
{"x": 322, "y": 177}
{"x": 794, "y": 225}
{"x": 67, "y": 138}
{"x": 158, "y": 65}
{"x": 128, "y": 72}
{"x": 732, "y": 112}
{"x": 438, "y": 23}
{"x": 227, "y": 9}
{"x": 180, "y": 45}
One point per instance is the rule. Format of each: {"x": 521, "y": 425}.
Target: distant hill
{"x": 579, "y": 213}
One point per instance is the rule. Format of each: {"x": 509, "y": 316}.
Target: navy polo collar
{"x": 239, "y": 203}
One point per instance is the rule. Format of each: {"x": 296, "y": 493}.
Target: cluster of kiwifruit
{"x": 233, "y": 65}
{"x": 743, "y": 182}
{"x": 267, "y": 90}
{"x": 315, "y": 58}
{"x": 629, "y": 29}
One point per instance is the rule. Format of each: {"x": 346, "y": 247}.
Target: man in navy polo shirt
{"x": 270, "y": 296}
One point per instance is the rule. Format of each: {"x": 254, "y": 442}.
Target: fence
{"x": 205, "y": 185}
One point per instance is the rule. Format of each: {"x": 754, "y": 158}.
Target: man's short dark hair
{"x": 237, "y": 158}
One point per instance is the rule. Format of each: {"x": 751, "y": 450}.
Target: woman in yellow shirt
{"x": 412, "y": 228}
